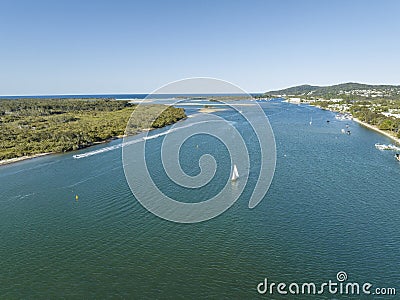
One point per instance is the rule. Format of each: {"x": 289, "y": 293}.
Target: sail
{"x": 235, "y": 173}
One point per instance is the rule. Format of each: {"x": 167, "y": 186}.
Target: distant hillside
{"x": 351, "y": 88}
{"x": 296, "y": 90}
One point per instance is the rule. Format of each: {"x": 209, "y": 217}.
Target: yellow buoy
{"x": 76, "y": 197}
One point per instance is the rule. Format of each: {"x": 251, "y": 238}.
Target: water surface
{"x": 333, "y": 206}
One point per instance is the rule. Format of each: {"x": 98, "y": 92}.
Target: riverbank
{"x": 369, "y": 126}
{"x": 18, "y": 159}
{"x": 210, "y": 109}
{"x": 27, "y": 157}
{"x": 34, "y": 126}
{"x": 385, "y": 133}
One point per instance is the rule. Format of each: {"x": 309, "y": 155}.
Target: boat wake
{"x": 138, "y": 140}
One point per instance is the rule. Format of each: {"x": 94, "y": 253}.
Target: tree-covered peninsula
{"x": 34, "y": 126}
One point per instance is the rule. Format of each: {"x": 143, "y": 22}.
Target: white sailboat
{"x": 311, "y": 121}
{"x": 235, "y": 173}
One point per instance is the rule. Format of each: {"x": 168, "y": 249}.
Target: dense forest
{"x": 32, "y": 126}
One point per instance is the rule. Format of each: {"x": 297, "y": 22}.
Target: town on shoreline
{"x": 376, "y": 107}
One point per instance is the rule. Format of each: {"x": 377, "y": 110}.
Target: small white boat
{"x": 397, "y": 156}
{"x": 311, "y": 121}
{"x": 343, "y": 117}
{"x": 387, "y": 147}
{"x": 380, "y": 146}
{"x": 235, "y": 173}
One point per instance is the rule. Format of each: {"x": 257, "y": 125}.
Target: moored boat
{"x": 235, "y": 173}
{"x": 343, "y": 117}
{"x": 387, "y": 147}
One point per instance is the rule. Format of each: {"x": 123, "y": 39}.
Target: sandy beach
{"x": 210, "y": 109}
{"x": 369, "y": 126}
{"x": 17, "y": 159}
{"x": 397, "y": 140}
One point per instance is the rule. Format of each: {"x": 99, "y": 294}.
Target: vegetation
{"x": 377, "y": 105}
{"x": 372, "y": 114}
{"x": 296, "y": 90}
{"x": 33, "y": 126}
{"x": 369, "y": 111}
{"x": 348, "y": 91}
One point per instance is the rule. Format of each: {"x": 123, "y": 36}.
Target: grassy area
{"x": 33, "y": 126}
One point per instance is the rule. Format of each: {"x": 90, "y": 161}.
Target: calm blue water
{"x": 333, "y": 206}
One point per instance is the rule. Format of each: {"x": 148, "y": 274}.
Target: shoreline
{"x": 210, "y": 109}
{"x": 27, "y": 157}
{"x": 369, "y": 126}
{"x": 372, "y": 127}
{"x": 22, "y": 158}
{"x": 203, "y": 110}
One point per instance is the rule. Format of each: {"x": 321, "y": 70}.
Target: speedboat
{"x": 387, "y": 147}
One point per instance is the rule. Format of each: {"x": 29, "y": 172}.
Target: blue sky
{"x": 83, "y": 47}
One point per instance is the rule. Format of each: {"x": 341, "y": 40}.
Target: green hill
{"x": 296, "y": 90}
{"x": 350, "y": 88}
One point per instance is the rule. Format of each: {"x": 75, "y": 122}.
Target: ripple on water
{"x": 332, "y": 206}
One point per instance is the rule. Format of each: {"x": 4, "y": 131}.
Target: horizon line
{"x": 149, "y": 93}
{"x": 105, "y": 94}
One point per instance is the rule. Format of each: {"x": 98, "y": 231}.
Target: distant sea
{"x": 114, "y": 96}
